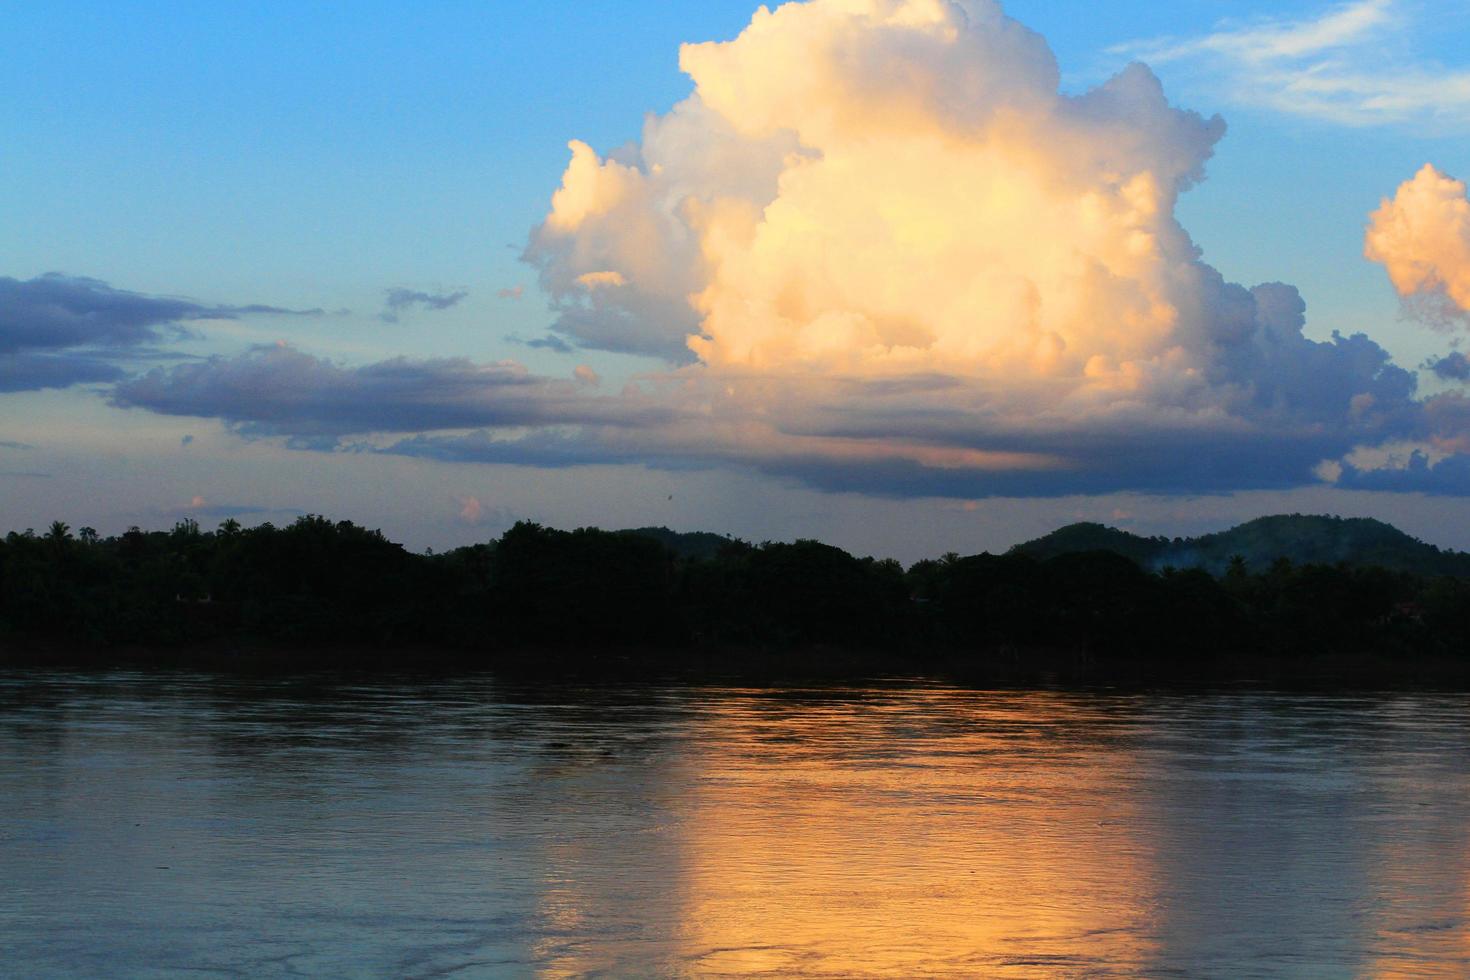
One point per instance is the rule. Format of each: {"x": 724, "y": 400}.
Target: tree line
{"x": 317, "y": 583}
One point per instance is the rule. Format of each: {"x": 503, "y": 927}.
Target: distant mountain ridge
{"x": 1300, "y": 538}
{"x": 694, "y": 545}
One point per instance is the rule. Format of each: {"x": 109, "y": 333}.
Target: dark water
{"x": 159, "y": 825}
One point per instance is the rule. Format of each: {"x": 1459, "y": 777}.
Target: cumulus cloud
{"x": 1454, "y": 366}
{"x": 511, "y": 292}
{"x": 1345, "y": 66}
{"x": 400, "y": 300}
{"x": 880, "y": 251}
{"x": 58, "y": 330}
{"x": 1422, "y": 238}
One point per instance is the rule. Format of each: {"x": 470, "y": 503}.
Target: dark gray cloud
{"x": 278, "y": 390}
{"x": 1103, "y": 463}
{"x": 57, "y": 312}
{"x": 550, "y": 342}
{"x": 400, "y": 300}
{"x": 1454, "y": 366}
{"x": 1283, "y": 408}
{"x": 34, "y": 372}
{"x": 58, "y": 330}
{"x": 1449, "y": 477}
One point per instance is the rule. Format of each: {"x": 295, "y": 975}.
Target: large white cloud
{"x": 879, "y": 250}
{"x": 867, "y": 189}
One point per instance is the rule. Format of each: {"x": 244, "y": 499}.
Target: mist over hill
{"x": 1299, "y": 538}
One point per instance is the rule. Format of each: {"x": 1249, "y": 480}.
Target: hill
{"x": 1299, "y": 538}
{"x": 692, "y": 545}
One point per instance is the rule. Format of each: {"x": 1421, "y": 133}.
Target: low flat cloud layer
{"x": 58, "y": 330}
{"x": 279, "y": 390}
{"x": 878, "y": 250}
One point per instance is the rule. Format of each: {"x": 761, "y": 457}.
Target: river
{"x": 168, "y": 824}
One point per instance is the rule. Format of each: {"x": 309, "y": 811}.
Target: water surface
{"x": 171, "y": 823}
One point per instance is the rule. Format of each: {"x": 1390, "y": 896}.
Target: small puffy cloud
{"x": 1454, "y": 366}
{"x": 550, "y": 342}
{"x": 586, "y": 376}
{"x": 1422, "y": 238}
{"x": 470, "y": 510}
{"x": 400, "y": 300}
{"x": 511, "y": 292}
{"x": 475, "y": 512}
{"x": 58, "y": 330}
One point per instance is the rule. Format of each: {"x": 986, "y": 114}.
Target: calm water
{"x": 153, "y": 825}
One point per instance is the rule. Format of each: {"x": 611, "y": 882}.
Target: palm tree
{"x": 60, "y": 531}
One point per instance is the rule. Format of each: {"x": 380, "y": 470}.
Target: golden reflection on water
{"x": 929, "y": 831}
{"x": 859, "y": 837}
{"x": 468, "y": 829}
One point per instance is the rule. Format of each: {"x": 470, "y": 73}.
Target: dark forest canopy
{"x": 1085, "y": 590}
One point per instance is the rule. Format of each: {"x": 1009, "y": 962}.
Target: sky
{"x": 908, "y": 276}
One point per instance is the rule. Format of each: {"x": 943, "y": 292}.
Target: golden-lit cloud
{"x": 893, "y": 186}
{"x": 878, "y": 249}
{"x": 1422, "y": 238}
{"x": 869, "y": 192}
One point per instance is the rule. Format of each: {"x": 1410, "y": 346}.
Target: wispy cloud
{"x": 398, "y": 301}
{"x": 1353, "y": 65}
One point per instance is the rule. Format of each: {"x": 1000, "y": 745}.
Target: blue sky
{"x": 314, "y": 156}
